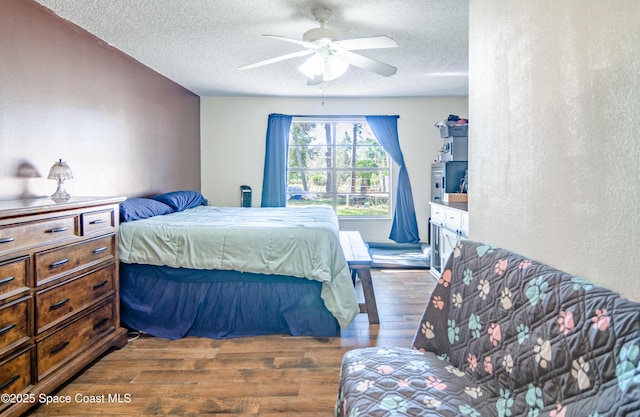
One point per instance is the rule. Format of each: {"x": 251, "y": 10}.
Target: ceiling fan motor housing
{"x": 321, "y": 36}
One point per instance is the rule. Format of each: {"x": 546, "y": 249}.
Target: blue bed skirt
{"x": 176, "y": 302}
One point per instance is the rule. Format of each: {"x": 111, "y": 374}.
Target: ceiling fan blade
{"x": 374, "y": 42}
{"x": 309, "y": 45}
{"x": 277, "y": 59}
{"x": 366, "y": 63}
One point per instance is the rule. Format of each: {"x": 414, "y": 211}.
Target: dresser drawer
{"x": 15, "y": 374}
{"x": 98, "y": 222}
{"x": 452, "y": 220}
{"x": 62, "y": 345}
{"x": 15, "y": 323}
{"x": 14, "y": 276}
{"x": 437, "y": 214}
{"x": 57, "y": 262}
{"x": 24, "y": 235}
{"x": 63, "y": 300}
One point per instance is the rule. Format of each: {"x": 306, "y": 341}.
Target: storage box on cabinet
{"x": 454, "y": 131}
{"x": 58, "y": 292}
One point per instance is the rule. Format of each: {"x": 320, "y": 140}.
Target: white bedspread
{"x": 300, "y": 242}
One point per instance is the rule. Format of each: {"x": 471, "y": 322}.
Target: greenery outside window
{"x": 340, "y": 164}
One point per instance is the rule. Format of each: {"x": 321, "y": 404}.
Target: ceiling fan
{"x": 330, "y": 58}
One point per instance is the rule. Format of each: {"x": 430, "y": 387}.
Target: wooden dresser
{"x": 59, "y": 305}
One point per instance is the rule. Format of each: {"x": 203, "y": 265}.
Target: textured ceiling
{"x": 200, "y": 44}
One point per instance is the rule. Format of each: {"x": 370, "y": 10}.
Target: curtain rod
{"x": 345, "y": 116}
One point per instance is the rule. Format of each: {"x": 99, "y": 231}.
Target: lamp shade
{"x": 60, "y": 171}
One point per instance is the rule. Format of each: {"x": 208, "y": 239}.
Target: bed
{"x": 191, "y": 269}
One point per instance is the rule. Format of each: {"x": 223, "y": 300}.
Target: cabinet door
{"x": 448, "y": 242}
{"x": 436, "y": 266}
{"x": 464, "y": 225}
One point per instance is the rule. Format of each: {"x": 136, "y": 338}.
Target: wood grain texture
{"x": 253, "y": 376}
{"x": 59, "y": 309}
{"x": 359, "y": 261}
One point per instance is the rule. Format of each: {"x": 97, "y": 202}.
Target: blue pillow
{"x": 181, "y": 200}
{"x": 141, "y": 208}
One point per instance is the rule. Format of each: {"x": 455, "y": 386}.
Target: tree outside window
{"x": 339, "y": 164}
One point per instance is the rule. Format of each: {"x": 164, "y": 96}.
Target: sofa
{"x": 503, "y": 335}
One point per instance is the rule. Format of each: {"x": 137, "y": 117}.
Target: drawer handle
{"x": 59, "y": 229}
{"x": 7, "y": 328}
{"x": 9, "y": 382}
{"x": 7, "y": 280}
{"x": 59, "y": 263}
{"x": 100, "y": 323}
{"x": 98, "y": 221}
{"x": 59, "y": 348}
{"x": 7, "y": 239}
{"x": 102, "y": 284}
{"x": 99, "y": 250}
{"x": 58, "y": 304}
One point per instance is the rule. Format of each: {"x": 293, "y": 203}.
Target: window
{"x": 340, "y": 164}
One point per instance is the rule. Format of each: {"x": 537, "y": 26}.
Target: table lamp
{"x": 60, "y": 172}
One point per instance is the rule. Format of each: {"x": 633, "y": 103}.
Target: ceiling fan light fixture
{"x": 313, "y": 66}
{"x": 325, "y": 64}
{"x": 334, "y": 68}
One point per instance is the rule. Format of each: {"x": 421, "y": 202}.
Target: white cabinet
{"x": 449, "y": 224}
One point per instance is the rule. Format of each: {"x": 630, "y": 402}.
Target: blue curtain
{"x": 405, "y": 226}
{"x": 274, "y": 180}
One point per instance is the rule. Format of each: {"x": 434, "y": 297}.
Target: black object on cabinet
{"x": 445, "y": 178}
{"x": 245, "y": 196}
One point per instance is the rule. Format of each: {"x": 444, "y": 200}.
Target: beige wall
{"x": 123, "y": 128}
{"x": 233, "y": 144}
{"x": 555, "y": 140}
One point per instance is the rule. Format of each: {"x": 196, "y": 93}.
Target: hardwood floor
{"x": 255, "y": 376}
